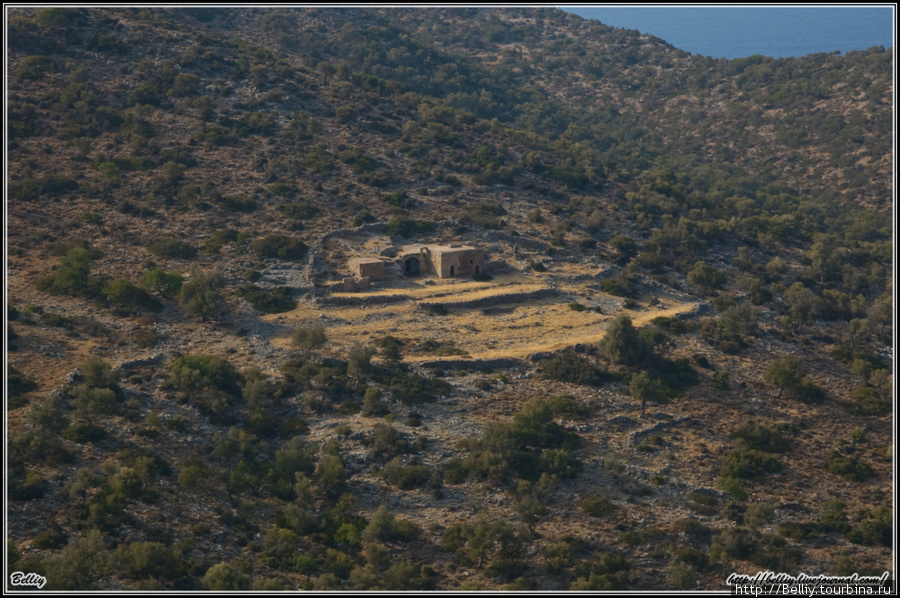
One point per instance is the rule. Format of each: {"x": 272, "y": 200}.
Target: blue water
{"x": 738, "y": 32}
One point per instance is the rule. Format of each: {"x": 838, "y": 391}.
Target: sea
{"x": 741, "y": 31}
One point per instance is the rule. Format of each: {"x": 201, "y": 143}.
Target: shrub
{"x": 749, "y": 464}
{"x": 82, "y": 433}
{"x": 620, "y": 286}
{"x": 401, "y": 226}
{"x": 72, "y": 276}
{"x": 720, "y": 381}
{"x": 566, "y": 366}
{"x": 200, "y": 296}
{"x": 847, "y": 466}
{"x": 405, "y": 477}
{"x": 196, "y": 372}
{"x": 309, "y": 337}
{"x": 876, "y": 527}
{"x": 267, "y": 301}
{"x": 296, "y": 210}
{"x": 413, "y": 389}
{"x": 237, "y": 203}
{"x": 125, "y": 296}
{"x": 221, "y": 237}
{"x": 732, "y": 543}
{"x": 706, "y": 277}
{"x": 753, "y": 435}
{"x": 597, "y": 506}
{"x": 35, "y": 67}
{"x": 867, "y": 400}
{"x": 225, "y": 577}
{"x": 17, "y": 384}
{"x": 164, "y": 282}
{"x": 702, "y": 502}
{"x": 32, "y": 188}
{"x": 169, "y": 248}
{"x": 622, "y": 344}
{"x": 32, "y": 487}
{"x": 279, "y": 246}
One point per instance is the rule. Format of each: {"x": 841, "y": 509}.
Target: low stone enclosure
{"x": 443, "y": 261}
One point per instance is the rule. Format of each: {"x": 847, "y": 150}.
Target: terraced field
{"x": 512, "y": 316}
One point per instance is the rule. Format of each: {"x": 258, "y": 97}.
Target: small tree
{"x": 786, "y": 374}
{"x": 858, "y": 330}
{"x": 622, "y": 343}
{"x": 308, "y": 338}
{"x": 201, "y": 296}
{"x": 80, "y": 565}
{"x": 804, "y": 304}
{"x": 706, "y": 277}
{"x": 93, "y": 402}
{"x": 645, "y": 388}
{"x": 390, "y": 348}
{"x": 359, "y": 362}
{"x": 164, "y": 283}
{"x": 225, "y": 577}
{"x": 882, "y": 312}
{"x": 99, "y": 374}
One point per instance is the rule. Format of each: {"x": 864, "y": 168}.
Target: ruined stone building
{"x": 364, "y": 267}
{"x": 443, "y": 261}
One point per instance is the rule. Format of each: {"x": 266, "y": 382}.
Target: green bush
{"x": 401, "y": 226}
{"x": 297, "y": 210}
{"x": 72, "y": 276}
{"x": 702, "y": 502}
{"x": 598, "y": 506}
{"x": 200, "y": 296}
{"x": 128, "y": 298}
{"x": 848, "y": 466}
{"x": 32, "y": 487}
{"x": 237, "y": 203}
{"x": 35, "y": 67}
{"x": 17, "y": 384}
{"x": 169, "y": 248}
{"x": 732, "y": 543}
{"x": 566, "y": 366}
{"x": 753, "y": 435}
{"x": 749, "y": 464}
{"x": 82, "y": 433}
{"x": 867, "y": 400}
{"x": 267, "y": 301}
{"x": 225, "y": 577}
{"x": 706, "y": 277}
{"x": 196, "y": 372}
{"x": 454, "y": 472}
{"x": 622, "y": 344}
{"x": 875, "y": 528}
{"x": 164, "y": 282}
{"x": 405, "y": 477}
{"x": 279, "y": 246}
{"x": 31, "y": 189}
{"x": 308, "y": 338}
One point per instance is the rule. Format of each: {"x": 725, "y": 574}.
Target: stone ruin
{"x": 443, "y": 261}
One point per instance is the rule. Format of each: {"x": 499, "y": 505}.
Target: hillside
{"x": 675, "y": 364}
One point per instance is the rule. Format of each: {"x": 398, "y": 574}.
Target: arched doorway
{"x": 411, "y": 266}
{"x": 477, "y": 270}
{"x": 452, "y": 270}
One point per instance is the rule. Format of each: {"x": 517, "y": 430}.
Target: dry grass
{"x": 521, "y": 329}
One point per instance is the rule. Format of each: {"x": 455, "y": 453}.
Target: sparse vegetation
{"x": 642, "y": 211}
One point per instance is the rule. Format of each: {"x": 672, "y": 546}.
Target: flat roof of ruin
{"x": 366, "y": 260}
{"x": 440, "y": 248}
